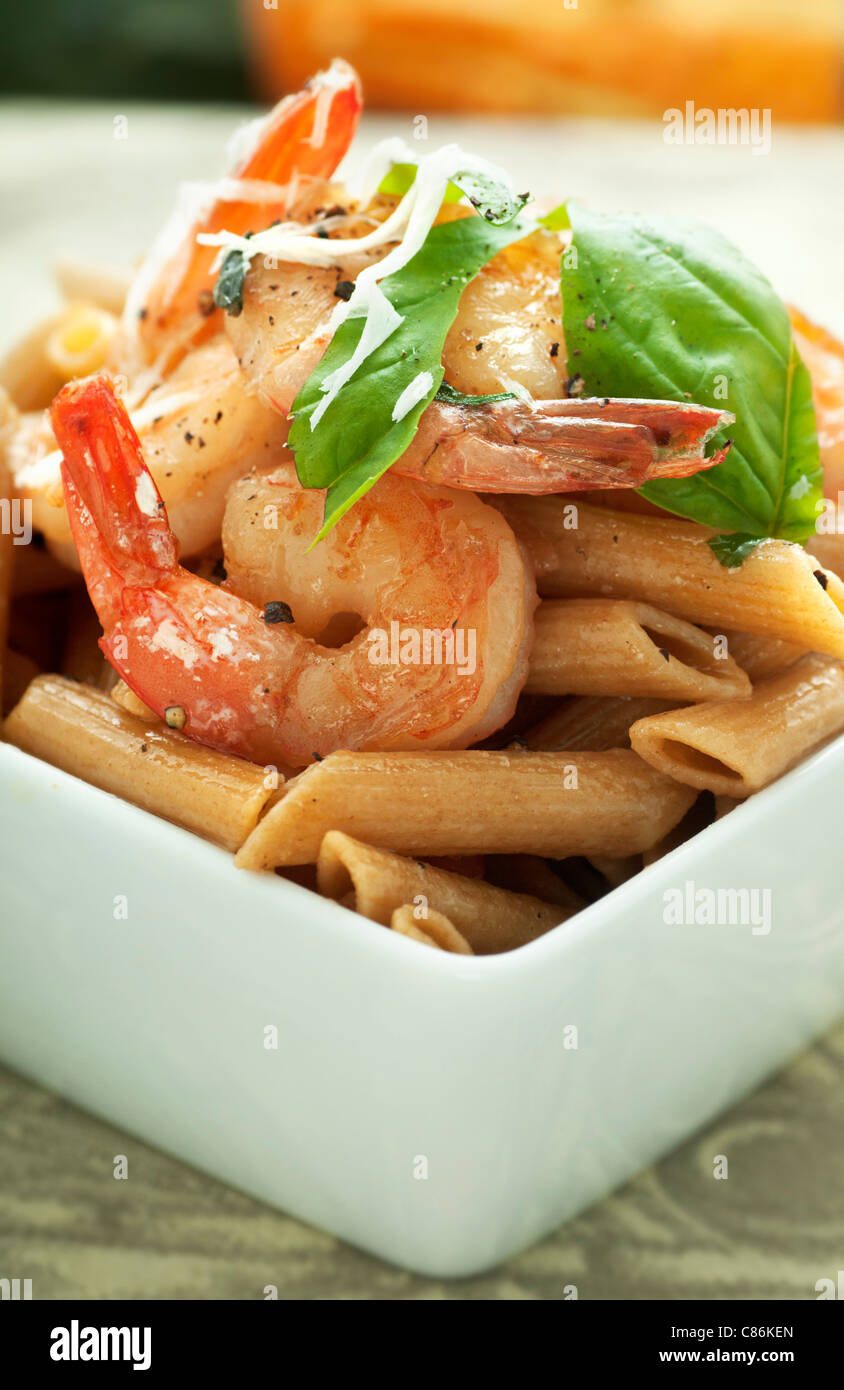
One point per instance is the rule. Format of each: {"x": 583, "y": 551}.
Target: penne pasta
{"x": 25, "y": 373}
{"x": 735, "y": 748}
{"x": 79, "y": 343}
{"x": 83, "y": 732}
{"x": 551, "y": 804}
{"x": 622, "y": 647}
{"x": 759, "y": 656}
{"x": 375, "y": 882}
{"x": 592, "y": 723}
{"x": 779, "y": 590}
{"x": 18, "y": 670}
{"x": 104, "y": 286}
{"x": 527, "y": 873}
{"x": 698, "y": 816}
{"x": 438, "y": 931}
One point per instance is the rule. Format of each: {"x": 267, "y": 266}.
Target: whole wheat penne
{"x": 528, "y": 873}
{"x": 736, "y": 747}
{"x": 436, "y": 930}
{"x": 94, "y": 282}
{"x": 552, "y": 804}
{"x": 616, "y": 871}
{"x": 592, "y": 723}
{"x": 83, "y": 731}
{"x": 623, "y": 647}
{"x": 25, "y": 373}
{"x": 18, "y": 671}
{"x": 760, "y": 656}
{"x": 696, "y": 819}
{"x": 779, "y": 590}
{"x": 79, "y": 343}
{"x": 491, "y": 919}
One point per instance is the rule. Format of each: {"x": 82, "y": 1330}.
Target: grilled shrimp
{"x": 508, "y": 332}
{"x": 199, "y": 424}
{"x": 245, "y": 667}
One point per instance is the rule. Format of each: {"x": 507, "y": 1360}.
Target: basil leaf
{"x": 228, "y": 291}
{"x": 487, "y": 194}
{"x": 734, "y": 549}
{"x": 357, "y": 439}
{"x": 448, "y": 393}
{"x": 401, "y": 177}
{"x": 667, "y": 308}
{"x": 557, "y": 220}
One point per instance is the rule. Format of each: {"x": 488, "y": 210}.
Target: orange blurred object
{"x": 608, "y": 57}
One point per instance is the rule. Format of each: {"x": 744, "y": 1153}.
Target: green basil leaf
{"x": 448, "y": 393}
{"x": 401, "y": 177}
{"x": 557, "y": 220}
{"x": 667, "y": 308}
{"x": 228, "y": 291}
{"x": 734, "y": 549}
{"x": 357, "y": 439}
{"x": 488, "y": 195}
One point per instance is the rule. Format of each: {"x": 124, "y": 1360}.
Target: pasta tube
{"x": 104, "y": 286}
{"x": 735, "y": 748}
{"x": 375, "y": 883}
{"x": 474, "y": 802}
{"x": 779, "y": 590}
{"x": 617, "y": 647}
{"x": 592, "y": 723}
{"x": 437, "y": 931}
{"x": 759, "y": 656}
{"x": 83, "y": 731}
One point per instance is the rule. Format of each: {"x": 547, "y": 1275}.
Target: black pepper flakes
{"x": 574, "y": 385}
{"x": 278, "y": 612}
{"x": 553, "y": 349}
{"x": 344, "y": 289}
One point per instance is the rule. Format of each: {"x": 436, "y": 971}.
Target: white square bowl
{"x": 388, "y": 1052}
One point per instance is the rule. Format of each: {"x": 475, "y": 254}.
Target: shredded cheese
{"x": 412, "y": 395}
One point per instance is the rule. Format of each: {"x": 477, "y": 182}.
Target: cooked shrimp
{"x": 199, "y": 426}
{"x": 170, "y": 307}
{"x": 548, "y": 444}
{"x": 824, "y": 356}
{"x": 199, "y": 431}
{"x": 411, "y": 559}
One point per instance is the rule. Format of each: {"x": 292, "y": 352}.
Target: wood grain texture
{"x": 770, "y": 1230}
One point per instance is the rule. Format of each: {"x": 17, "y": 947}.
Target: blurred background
{"x": 606, "y": 57}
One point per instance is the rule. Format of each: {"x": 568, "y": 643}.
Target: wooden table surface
{"x": 775, "y": 1226}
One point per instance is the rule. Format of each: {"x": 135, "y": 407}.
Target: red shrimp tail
{"x": 115, "y": 510}
{"x": 309, "y": 132}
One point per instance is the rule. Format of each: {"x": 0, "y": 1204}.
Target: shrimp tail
{"x": 186, "y": 647}
{"x": 115, "y": 509}
{"x": 170, "y": 309}
{"x": 568, "y": 445}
